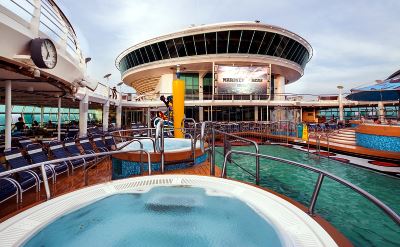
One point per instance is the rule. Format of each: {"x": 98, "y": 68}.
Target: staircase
{"x": 343, "y": 136}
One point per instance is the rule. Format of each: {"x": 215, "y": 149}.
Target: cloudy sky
{"x": 355, "y": 42}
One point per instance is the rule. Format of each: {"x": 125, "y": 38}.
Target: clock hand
{"x": 47, "y": 49}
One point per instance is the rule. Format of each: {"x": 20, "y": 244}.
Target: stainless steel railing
{"x": 321, "y": 175}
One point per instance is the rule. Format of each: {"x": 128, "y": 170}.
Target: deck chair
{"x": 8, "y": 187}
{"x": 27, "y": 179}
{"x": 24, "y": 141}
{"x": 37, "y": 155}
{"x": 73, "y": 149}
{"x": 110, "y": 142}
{"x": 59, "y": 152}
{"x": 98, "y": 141}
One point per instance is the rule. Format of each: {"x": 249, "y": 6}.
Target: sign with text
{"x": 242, "y": 80}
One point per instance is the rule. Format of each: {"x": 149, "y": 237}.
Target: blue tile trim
{"x": 126, "y": 168}
{"x": 384, "y": 143}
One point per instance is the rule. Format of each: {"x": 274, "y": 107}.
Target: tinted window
{"x": 163, "y": 49}
{"x": 247, "y": 36}
{"x": 222, "y": 39}
{"x": 189, "y": 43}
{"x": 281, "y": 46}
{"x": 234, "y": 37}
{"x": 200, "y": 45}
{"x": 293, "y": 51}
{"x": 139, "y": 57}
{"x": 266, "y": 43}
{"x": 274, "y": 45}
{"x": 180, "y": 47}
{"x": 255, "y": 44}
{"x": 135, "y": 59}
{"x": 211, "y": 40}
{"x": 156, "y": 52}
{"x": 300, "y": 56}
{"x": 145, "y": 57}
{"x": 297, "y": 54}
{"x": 130, "y": 61}
{"x": 171, "y": 48}
{"x": 150, "y": 53}
{"x": 288, "y": 48}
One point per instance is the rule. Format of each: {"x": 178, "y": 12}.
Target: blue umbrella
{"x": 388, "y": 90}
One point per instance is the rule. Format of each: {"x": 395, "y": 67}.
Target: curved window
{"x": 222, "y": 42}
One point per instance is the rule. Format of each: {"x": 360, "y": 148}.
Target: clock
{"x": 43, "y": 53}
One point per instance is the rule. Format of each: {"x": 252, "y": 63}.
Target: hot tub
{"x": 166, "y": 210}
{"x": 177, "y": 155}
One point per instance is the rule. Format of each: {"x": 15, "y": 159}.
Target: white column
{"x": 381, "y": 111}
{"x": 256, "y": 113}
{"x": 35, "y": 21}
{"x": 106, "y": 111}
{"x": 341, "y": 114}
{"x": 279, "y": 84}
{"x": 301, "y": 114}
{"x": 118, "y": 116}
{"x": 41, "y": 116}
{"x": 59, "y": 120}
{"x": 148, "y": 119}
{"x": 201, "y": 114}
{"x": 83, "y": 115}
{"x": 267, "y": 113}
{"x": 201, "y": 75}
{"x": 8, "y": 115}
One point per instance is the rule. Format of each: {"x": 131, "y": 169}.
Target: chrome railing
{"x": 321, "y": 175}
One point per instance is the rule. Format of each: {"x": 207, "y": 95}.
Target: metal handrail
{"x": 242, "y": 139}
{"x": 391, "y": 213}
{"x": 42, "y": 165}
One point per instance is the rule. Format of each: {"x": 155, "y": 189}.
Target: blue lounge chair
{"x": 59, "y": 152}
{"x": 98, "y": 141}
{"x": 73, "y": 149}
{"x": 8, "y": 187}
{"x": 24, "y": 141}
{"x": 27, "y": 179}
{"x": 110, "y": 142}
{"x": 37, "y": 155}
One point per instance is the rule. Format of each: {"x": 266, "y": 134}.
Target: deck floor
{"x": 65, "y": 184}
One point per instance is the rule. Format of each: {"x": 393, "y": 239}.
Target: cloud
{"x": 354, "y": 42}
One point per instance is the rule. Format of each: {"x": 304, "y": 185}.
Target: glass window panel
{"x": 189, "y": 43}
{"x": 274, "y": 45}
{"x": 74, "y": 110}
{"x": 129, "y": 61}
{"x": 234, "y": 37}
{"x": 156, "y": 52}
{"x": 282, "y": 45}
{"x": 144, "y": 55}
{"x": 139, "y": 57}
{"x": 28, "y": 118}
{"x": 247, "y": 36}
{"x": 150, "y": 53}
{"x": 133, "y": 62}
{"x": 180, "y": 47}
{"x": 171, "y": 48}
{"x": 200, "y": 45}
{"x": 28, "y": 109}
{"x": 300, "y": 55}
{"x": 294, "y": 51}
{"x": 2, "y": 108}
{"x": 288, "y": 48}
{"x": 164, "y": 50}
{"x": 211, "y": 40}
{"x": 222, "y": 39}
{"x": 17, "y": 108}
{"x": 255, "y": 44}
{"x": 36, "y": 109}
{"x": 266, "y": 43}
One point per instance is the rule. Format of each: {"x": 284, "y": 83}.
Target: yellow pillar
{"x": 178, "y": 94}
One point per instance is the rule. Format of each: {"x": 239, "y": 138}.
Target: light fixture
{"x": 36, "y": 73}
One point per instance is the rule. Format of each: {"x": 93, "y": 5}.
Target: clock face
{"x": 49, "y": 53}
{"x": 43, "y": 53}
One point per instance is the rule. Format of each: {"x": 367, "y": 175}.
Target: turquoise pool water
{"x": 164, "y": 216}
{"x": 170, "y": 144}
{"x": 362, "y": 222}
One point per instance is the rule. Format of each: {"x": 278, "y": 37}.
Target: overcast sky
{"x": 355, "y": 42}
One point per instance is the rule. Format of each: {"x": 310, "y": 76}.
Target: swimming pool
{"x": 166, "y": 210}
{"x": 361, "y": 221}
